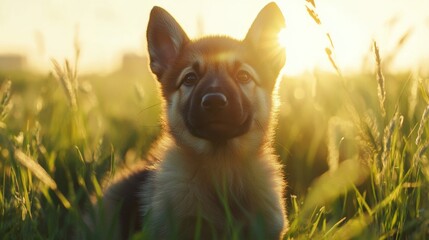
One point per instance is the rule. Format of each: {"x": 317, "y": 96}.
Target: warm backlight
{"x": 282, "y": 38}
{"x": 46, "y": 29}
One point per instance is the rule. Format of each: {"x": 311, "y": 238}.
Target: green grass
{"x": 354, "y": 171}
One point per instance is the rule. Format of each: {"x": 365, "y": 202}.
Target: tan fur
{"x": 243, "y": 169}
{"x": 220, "y": 186}
{"x": 189, "y": 188}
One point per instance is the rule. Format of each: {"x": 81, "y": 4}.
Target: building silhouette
{"x": 12, "y": 62}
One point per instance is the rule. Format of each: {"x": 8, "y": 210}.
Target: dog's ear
{"x": 165, "y": 39}
{"x": 262, "y": 37}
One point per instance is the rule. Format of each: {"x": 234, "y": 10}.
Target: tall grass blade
{"x": 329, "y": 53}
{"x": 5, "y": 101}
{"x": 333, "y": 184}
{"x": 413, "y": 98}
{"x": 41, "y": 174}
{"x": 422, "y": 124}
{"x": 311, "y": 2}
{"x": 335, "y": 138}
{"x": 394, "y": 125}
{"x": 352, "y": 228}
{"x": 329, "y": 50}
{"x": 380, "y": 79}
{"x": 63, "y": 76}
{"x": 35, "y": 168}
{"x": 313, "y": 15}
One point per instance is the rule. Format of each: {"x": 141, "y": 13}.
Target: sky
{"x": 105, "y": 29}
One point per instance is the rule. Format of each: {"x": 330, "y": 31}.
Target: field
{"x": 354, "y": 147}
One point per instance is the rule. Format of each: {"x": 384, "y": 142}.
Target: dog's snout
{"x": 214, "y": 101}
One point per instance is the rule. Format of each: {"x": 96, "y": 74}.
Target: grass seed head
{"x": 380, "y": 79}
{"x": 422, "y": 124}
{"x": 5, "y": 100}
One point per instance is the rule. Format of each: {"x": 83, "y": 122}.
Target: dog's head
{"x": 216, "y": 88}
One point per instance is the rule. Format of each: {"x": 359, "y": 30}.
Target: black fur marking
{"x": 126, "y": 193}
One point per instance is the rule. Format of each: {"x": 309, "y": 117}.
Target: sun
{"x": 304, "y": 42}
{"x": 304, "y": 48}
{"x": 282, "y": 38}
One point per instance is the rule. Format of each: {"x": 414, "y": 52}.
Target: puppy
{"x": 215, "y": 174}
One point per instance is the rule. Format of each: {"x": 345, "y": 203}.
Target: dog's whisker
{"x": 149, "y": 107}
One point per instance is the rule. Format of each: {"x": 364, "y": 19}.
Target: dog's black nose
{"x": 214, "y": 101}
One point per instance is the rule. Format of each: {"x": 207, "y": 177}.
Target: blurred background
{"x": 33, "y": 32}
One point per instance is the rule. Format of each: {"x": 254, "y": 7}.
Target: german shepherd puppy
{"x": 215, "y": 174}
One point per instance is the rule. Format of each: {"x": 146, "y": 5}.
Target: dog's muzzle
{"x": 218, "y": 116}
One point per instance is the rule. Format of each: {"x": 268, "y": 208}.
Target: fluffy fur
{"x": 215, "y": 174}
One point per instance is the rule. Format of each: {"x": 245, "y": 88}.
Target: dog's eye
{"x": 190, "y": 79}
{"x": 243, "y": 76}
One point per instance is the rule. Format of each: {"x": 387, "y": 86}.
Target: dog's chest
{"x": 213, "y": 194}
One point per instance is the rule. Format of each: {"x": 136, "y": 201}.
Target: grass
{"x": 354, "y": 147}
{"x": 353, "y": 171}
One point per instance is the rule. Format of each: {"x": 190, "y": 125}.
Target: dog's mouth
{"x": 219, "y": 129}
{"x": 218, "y": 126}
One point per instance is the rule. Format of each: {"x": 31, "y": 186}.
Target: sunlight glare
{"x": 46, "y": 30}
{"x": 282, "y": 38}
{"x": 305, "y": 49}
{"x": 303, "y": 40}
